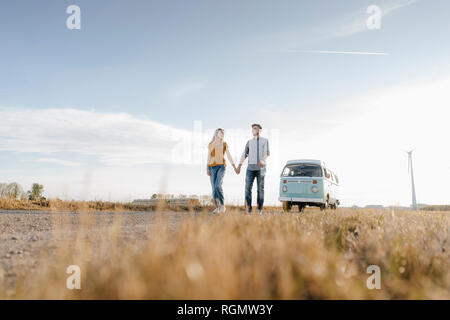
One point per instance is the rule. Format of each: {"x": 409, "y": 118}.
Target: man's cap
{"x": 256, "y": 124}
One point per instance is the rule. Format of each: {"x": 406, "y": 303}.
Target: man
{"x": 257, "y": 151}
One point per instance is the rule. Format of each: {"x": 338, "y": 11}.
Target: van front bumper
{"x": 318, "y": 200}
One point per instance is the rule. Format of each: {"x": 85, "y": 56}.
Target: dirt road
{"x": 25, "y": 236}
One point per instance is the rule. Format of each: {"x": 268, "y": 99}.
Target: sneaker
{"x": 223, "y": 209}
{"x": 260, "y": 211}
{"x": 216, "y": 210}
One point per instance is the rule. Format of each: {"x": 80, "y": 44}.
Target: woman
{"x": 216, "y": 167}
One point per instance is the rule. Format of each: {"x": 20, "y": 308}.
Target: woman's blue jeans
{"x": 216, "y": 176}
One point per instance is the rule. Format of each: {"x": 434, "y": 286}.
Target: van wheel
{"x": 325, "y": 206}
{"x": 287, "y": 206}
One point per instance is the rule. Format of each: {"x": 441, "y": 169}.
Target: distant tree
{"x": 36, "y": 192}
{"x": 154, "y": 196}
{"x": 15, "y": 190}
{"x": 11, "y": 190}
{"x": 3, "y": 187}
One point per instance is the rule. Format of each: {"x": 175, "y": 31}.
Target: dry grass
{"x": 95, "y": 206}
{"x": 312, "y": 255}
{"x": 437, "y": 208}
{"x": 75, "y": 206}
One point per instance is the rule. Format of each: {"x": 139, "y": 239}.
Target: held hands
{"x": 238, "y": 169}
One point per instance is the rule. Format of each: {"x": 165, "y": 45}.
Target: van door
{"x": 333, "y": 188}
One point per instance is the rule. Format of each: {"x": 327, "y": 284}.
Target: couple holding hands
{"x": 256, "y": 150}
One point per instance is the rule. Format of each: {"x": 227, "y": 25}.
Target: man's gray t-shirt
{"x": 256, "y": 150}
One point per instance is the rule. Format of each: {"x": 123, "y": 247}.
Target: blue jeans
{"x": 249, "y": 179}
{"x": 216, "y": 176}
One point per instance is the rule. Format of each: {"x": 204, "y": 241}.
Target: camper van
{"x": 308, "y": 182}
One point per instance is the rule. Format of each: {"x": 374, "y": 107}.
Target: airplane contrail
{"x": 342, "y": 52}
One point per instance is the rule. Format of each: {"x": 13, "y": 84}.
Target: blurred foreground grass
{"x": 309, "y": 255}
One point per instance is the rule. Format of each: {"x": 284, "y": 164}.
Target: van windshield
{"x": 302, "y": 170}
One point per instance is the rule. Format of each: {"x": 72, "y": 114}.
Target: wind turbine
{"x": 410, "y": 170}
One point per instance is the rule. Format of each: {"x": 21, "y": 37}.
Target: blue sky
{"x": 143, "y": 65}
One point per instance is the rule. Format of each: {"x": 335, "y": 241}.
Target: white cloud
{"x": 356, "y": 22}
{"x": 342, "y": 52}
{"x": 140, "y": 154}
{"x": 339, "y": 27}
{"x": 187, "y": 88}
{"x": 182, "y": 90}
{"x": 65, "y": 163}
{"x": 114, "y": 138}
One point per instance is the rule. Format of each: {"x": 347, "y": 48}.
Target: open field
{"x": 73, "y": 206}
{"x": 196, "y": 255}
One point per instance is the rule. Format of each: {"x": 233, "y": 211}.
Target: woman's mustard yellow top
{"x": 217, "y": 152}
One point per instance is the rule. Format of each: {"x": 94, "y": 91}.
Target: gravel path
{"x": 26, "y": 235}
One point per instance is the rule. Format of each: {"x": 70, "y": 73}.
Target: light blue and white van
{"x": 307, "y": 182}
